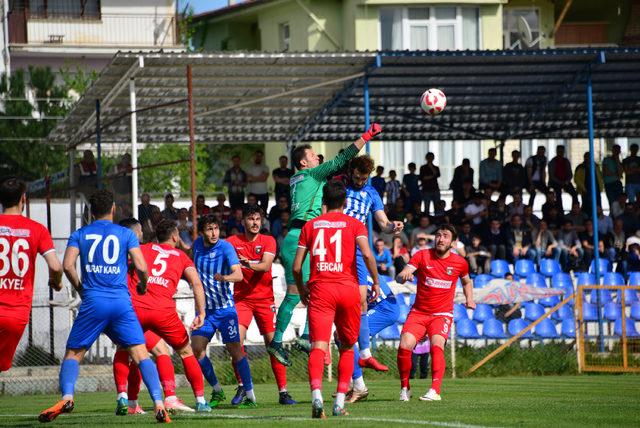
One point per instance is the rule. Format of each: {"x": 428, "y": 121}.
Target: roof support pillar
{"x": 192, "y": 152}
{"x": 99, "y": 144}
{"x": 134, "y": 148}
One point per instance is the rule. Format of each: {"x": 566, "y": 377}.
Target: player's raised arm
{"x": 55, "y": 270}
{"x": 137, "y": 259}
{"x": 386, "y": 225}
{"x": 69, "y": 265}
{"x": 191, "y": 275}
{"x": 467, "y": 288}
{"x": 370, "y": 262}
{"x": 406, "y": 274}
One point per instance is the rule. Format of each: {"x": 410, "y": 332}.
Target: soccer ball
{"x": 433, "y": 101}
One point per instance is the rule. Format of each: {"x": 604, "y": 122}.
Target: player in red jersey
{"x": 156, "y": 309}
{"x": 21, "y": 239}
{"x": 437, "y": 270}
{"x": 253, "y": 296}
{"x": 333, "y": 293}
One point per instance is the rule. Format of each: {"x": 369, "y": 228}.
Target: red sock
{"x": 316, "y": 368}
{"x": 121, "y": 370}
{"x": 438, "y": 365}
{"x": 193, "y": 372}
{"x": 280, "y": 372}
{"x": 135, "y": 379}
{"x": 345, "y": 370}
{"x": 167, "y": 375}
{"x": 404, "y": 366}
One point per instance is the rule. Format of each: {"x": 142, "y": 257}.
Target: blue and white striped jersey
{"x": 219, "y": 258}
{"x": 361, "y": 202}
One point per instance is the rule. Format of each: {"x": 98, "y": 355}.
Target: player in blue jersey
{"x": 106, "y": 304}
{"x": 218, "y": 266}
{"x": 363, "y": 200}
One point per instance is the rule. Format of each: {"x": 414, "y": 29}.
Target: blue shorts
{"x": 225, "y": 321}
{"x": 384, "y": 314}
{"x": 361, "y": 269}
{"x": 113, "y": 316}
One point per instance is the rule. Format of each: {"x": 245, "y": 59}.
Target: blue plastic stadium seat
{"x": 630, "y": 296}
{"x": 585, "y": 278}
{"x": 635, "y": 311}
{"x": 499, "y": 268}
{"x": 390, "y": 333}
{"x": 466, "y": 329}
{"x": 459, "y": 312}
{"x": 603, "y": 266}
{"x": 565, "y": 312}
{"x": 605, "y": 296}
{"x": 568, "y": 328}
{"x": 481, "y": 280}
{"x": 634, "y": 278}
{"x": 524, "y": 267}
{"x": 612, "y": 311}
{"x": 549, "y": 267}
{"x": 493, "y": 329}
{"x": 546, "y": 329}
{"x": 533, "y": 311}
{"x": 612, "y": 278}
{"x": 589, "y": 312}
{"x": 482, "y": 312}
{"x": 630, "y": 327}
{"x": 516, "y": 326}
{"x": 560, "y": 279}
{"x": 536, "y": 279}
{"x": 550, "y": 301}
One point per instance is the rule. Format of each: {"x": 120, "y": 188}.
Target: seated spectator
{"x": 630, "y": 219}
{"x": 409, "y": 224}
{"x": 606, "y": 251}
{"x": 439, "y": 216}
{"x": 466, "y": 195}
{"x": 201, "y": 208}
{"x": 169, "y": 212}
{"x": 516, "y": 207}
{"x": 384, "y": 262}
{"x": 235, "y": 222}
{"x": 252, "y": 199}
{"x": 617, "y": 208}
{"x": 570, "y": 248}
{"x": 632, "y": 263}
{"x": 282, "y": 204}
{"x": 396, "y": 210}
{"x": 421, "y": 244}
{"x": 478, "y": 257}
{"x": 577, "y": 216}
{"x": 605, "y": 223}
{"x": 399, "y": 253}
{"x": 530, "y": 219}
{"x": 618, "y": 241}
{"x": 550, "y": 203}
{"x": 586, "y": 240}
{"x": 506, "y": 313}
{"x": 185, "y": 228}
{"x": 280, "y": 223}
{"x": 223, "y": 211}
{"x": 476, "y": 211}
{"x": 554, "y": 219}
{"x": 498, "y": 210}
{"x": 519, "y": 240}
{"x": 392, "y": 188}
{"x": 455, "y": 215}
{"x": 496, "y": 240}
{"x": 545, "y": 244}
{"x": 465, "y": 234}
{"x": 424, "y": 227}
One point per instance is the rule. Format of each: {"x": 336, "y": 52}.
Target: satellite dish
{"x": 524, "y": 32}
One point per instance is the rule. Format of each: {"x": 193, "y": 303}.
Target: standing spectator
{"x": 519, "y": 240}
{"x": 429, "y": 174}
{"x": 491, "y": 172}
{"x": 222, "y": 211}
{"x": 281, "y": 177}
{"x": 545, "y": 244}
{"x": 282, "y": 204}
{"x": 411, "y": 189}
{"x": 88, "y": 169}
{"x": 169, "y": 212}
{"x": 236, "y": 180}
{"x": 424, "y": 228}
{"x": 392, "y": 188}
{"x": 631, "y": 165}
{"x": 570, "y": 248}
{"x": 560, "y": 175}
{"x": 399, "y": 253}
{"x": 378, "y": 181}
{"x": 496, "y": 240}
{"x": 257, "y": 175}
{"x": 461, "y": 174}
{"x": 583, "y": 182}
{"x": 478, "y": 256}
{"x": 612, "y": 171}
{"x": 514, "y": 176}
{"x": 384, "y": 262}
{"x": 536, "y": 167}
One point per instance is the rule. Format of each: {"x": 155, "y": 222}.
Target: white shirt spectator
{"x": 259, "y": 187}
{"x": 475, "y": 211}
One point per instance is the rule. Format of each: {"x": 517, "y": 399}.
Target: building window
{"x": 284, "y": 36}
{"x": 429, "y": 28}
{"x": 521, "y": 28}
{"x": 64, "y": 9}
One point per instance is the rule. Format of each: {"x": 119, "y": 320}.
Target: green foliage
{"x": 78, "y": 81}
{"x": 220, "y": 159}
{"x": 186, "y": 28}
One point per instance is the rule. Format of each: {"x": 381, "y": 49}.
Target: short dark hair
{"x": 165, "y": 229}
{"x": 128, "y": 222}
{"x": 11, "y": 190}
{"x": 412, "y": 165}
{"x": 250, "y": 209}
{"x": 298, "y": 154}
{"x": 363, "y": 164}
{"x": 450, "y": 228}
{"x": 101, "y": 203}
{"x": 334, "y": 194}
{"x": 379, "y": 240}
{"x": 206, "y": 220}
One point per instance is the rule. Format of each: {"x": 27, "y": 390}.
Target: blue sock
{"x": 363, "y": 337}
{"x": 207, "y": 371}
{"x": 357, "y": 370}
{"x": 68, "y": 376}
{"x": 151, "y": 379}
{"x": 245, "y": 373}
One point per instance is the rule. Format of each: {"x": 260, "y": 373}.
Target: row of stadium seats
{"x": 547, "y": 267}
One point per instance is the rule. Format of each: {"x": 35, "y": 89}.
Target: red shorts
{"x": 334, "y": 303}
{"x": 10, "y": 334}
{"x": 420, "y": 325}
{"x": 165, "y": 324}
{"x": 264, "y": 311}
{"x": 151, "y": 340}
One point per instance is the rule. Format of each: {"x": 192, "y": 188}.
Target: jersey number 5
{"x": 159, "y": 264}
{"x": 12, "y": 258}
{"x": 321, "y": 251}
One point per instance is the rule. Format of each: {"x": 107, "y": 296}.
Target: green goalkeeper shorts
{"x": 288, "y": 254}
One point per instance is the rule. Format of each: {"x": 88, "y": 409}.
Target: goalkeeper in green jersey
{"x": 306, "y": 204}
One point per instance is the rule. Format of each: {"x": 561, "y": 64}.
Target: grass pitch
{"x": 588, "y": 400}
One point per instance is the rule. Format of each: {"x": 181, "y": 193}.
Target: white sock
{"x": 217, "y": 387}
{"x": 358, "y": 383}
{"x": 123, "y": 395}
{"x": 250, "y": 395}
{"x": 171, "y": 398}
{"x": 159, "y": 403}
{"x": 133, "y": 403}
{"x": 316, "y": 394}
{"x": 365, "y": 353}
{"x": 68, "y": 397}
{"x": 283, "y": 390}
{"x": 200, "y": 399}
{"x": 340, "y": 400}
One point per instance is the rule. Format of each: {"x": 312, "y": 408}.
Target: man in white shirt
{"x": 257, "y": 175}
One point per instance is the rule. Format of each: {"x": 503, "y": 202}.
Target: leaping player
{"x": 306, "y": 204}
{"x": 437, "y": 270}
